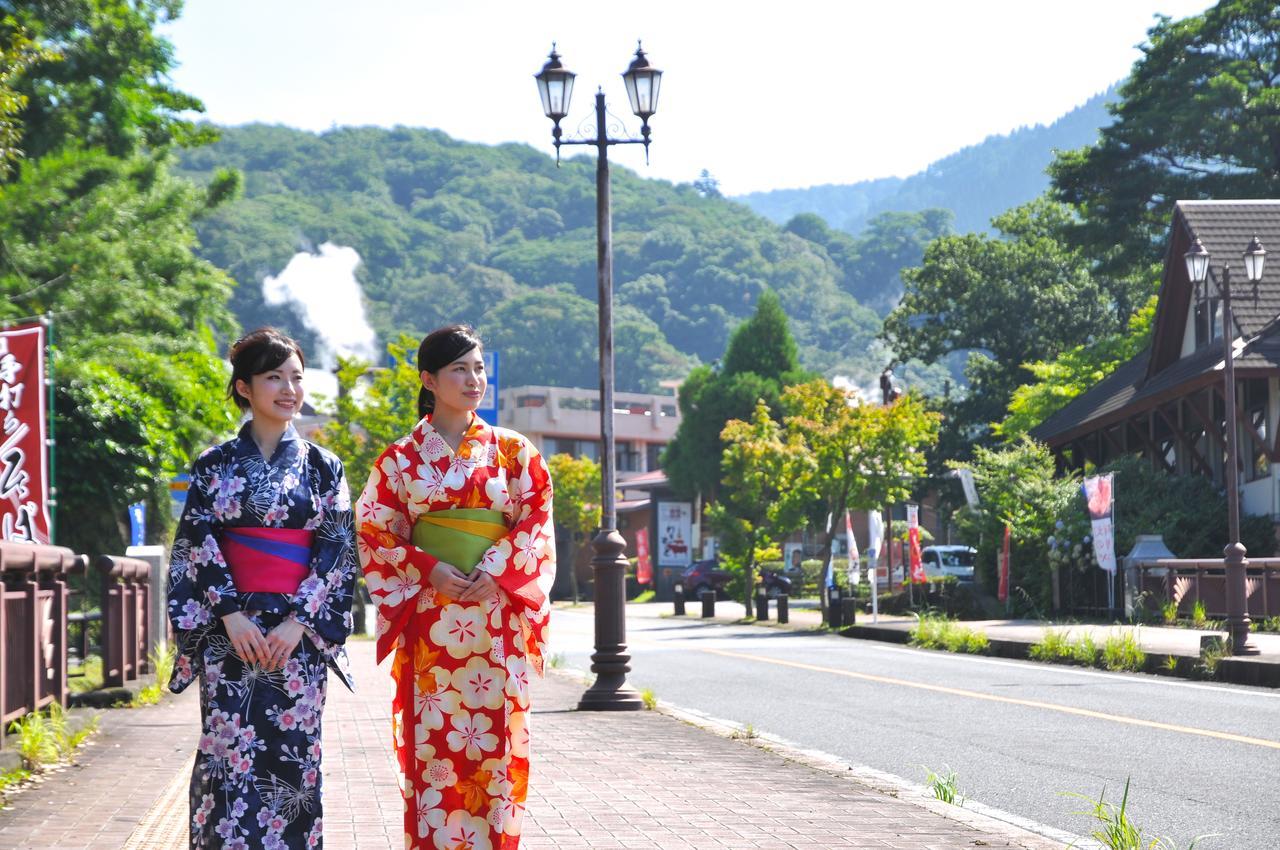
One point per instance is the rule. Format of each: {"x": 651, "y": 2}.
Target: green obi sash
{"x": 459, "y": 536}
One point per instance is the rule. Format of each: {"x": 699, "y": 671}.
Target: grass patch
{"x": 1123, "y": 652}
{"x": 12, "y": 779}
{"x": 644, "y": 596}
{"x": 1084, "y": 651}
{"x": 932, "y": 632}
{"x": 945, "y": 785}
{"x": 46, "y": 738}
{"x": 1055, "y": 647}
{"x": 162, "y": 664}
{"x": 90, "y": 678}
{"x": 1115, "y": 831}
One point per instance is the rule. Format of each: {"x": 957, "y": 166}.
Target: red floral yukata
{"x": 461, "y": 710}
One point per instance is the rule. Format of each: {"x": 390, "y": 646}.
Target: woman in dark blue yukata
{"x": 260, "y": 585}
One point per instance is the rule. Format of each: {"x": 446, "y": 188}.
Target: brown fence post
{"x": 125, "y": 618}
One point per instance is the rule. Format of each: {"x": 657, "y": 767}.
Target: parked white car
{"x": 948, "y": 561}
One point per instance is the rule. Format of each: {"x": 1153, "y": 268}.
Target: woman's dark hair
{"x": 438, "y": 349}
{"x": 257, "y": 352}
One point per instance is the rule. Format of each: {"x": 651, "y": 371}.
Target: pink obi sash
{"x": 267, "y": 560}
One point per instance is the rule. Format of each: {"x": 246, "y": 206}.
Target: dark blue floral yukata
{"x": 256, "y": 782}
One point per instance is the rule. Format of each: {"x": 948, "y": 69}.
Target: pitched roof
{"x": 1225, "y": 228}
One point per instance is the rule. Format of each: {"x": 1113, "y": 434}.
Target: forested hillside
{"x": 975, "y": 184}
{"x": 499, "y": 237}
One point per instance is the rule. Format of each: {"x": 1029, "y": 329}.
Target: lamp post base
{"x": 1237, "y": 600}
{"x": 610, "y": 662}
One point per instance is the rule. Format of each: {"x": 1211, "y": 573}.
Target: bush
{"x": 932, "y": 632}
{"x": 1122, "y": 652}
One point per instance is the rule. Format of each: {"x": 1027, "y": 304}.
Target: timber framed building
{"x": 1167, "y": 403}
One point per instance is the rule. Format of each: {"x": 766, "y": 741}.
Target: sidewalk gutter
{"x": 992, "y": 821}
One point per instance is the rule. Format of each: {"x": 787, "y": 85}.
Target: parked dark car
{"x": 775, "y": 583}
{"x": 704, "y": 575}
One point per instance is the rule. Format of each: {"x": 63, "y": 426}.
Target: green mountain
{"x": 501, "y": 238}
{"x": 975, "y": 183}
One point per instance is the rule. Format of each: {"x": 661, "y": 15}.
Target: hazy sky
{"x": 765, "y": 95}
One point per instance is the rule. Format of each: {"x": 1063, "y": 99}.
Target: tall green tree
{"x": 1198, "y": 117}
{"x": 759, "y": 461}
{"x": 1002, "y": 302}
{"x": 577, "y": 483}
{"x": 17, "y": 53}
{"x": 710, "y": 397}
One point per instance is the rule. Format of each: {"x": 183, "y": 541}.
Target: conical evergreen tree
{"x": 763, "y": 344}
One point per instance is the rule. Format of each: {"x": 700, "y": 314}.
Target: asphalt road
{"x": 1203, "y": 759}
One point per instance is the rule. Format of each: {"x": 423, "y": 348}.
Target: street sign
{"x": 488, "y": 409}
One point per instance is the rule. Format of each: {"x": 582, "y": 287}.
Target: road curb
{"x": 1023, "y": 832}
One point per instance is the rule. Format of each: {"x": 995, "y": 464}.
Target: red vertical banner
{"x": 24, "y": 461}
{"x": 644, "y": 566}
{"x": 1003, "y": 594}
{"x": 913, "y": 543}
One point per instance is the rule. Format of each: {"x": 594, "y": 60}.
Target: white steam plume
{"x": 326, "y": 295}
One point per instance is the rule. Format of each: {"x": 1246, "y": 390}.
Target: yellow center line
{"x": 1029, "y": 703}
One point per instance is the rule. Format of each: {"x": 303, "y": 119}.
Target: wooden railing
{"x": 33, "y": 626}
{"x": 126, "y": 624}
{"x": 1191, "y": 580}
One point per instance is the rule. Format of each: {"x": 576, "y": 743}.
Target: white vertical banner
{"x": 675, "y": 530}
{"x": 855, "y": 561}
{"x": 1099, "y": 496}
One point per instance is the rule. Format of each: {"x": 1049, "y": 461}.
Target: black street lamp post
{"x": 1234, "y": 559}
{"x": 610, "y": 660}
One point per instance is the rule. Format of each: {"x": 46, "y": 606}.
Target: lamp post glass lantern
{"x": 610, "y": 662}
{"x": 1234, "y": 555}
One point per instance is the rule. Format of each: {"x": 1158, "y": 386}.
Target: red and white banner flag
{"x": 24, "y": 470}
{"x": 913, "y": 541}
{"x": 644, "y": 566}
{"x": 1099, "y": 497}
{"x": 1003, "y": 593}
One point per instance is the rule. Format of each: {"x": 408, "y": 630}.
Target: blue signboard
{"x": 138, "y": 524}
{"x": 488, "y": 409}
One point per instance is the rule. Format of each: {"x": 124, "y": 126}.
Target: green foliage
{"x": 455, "y": 232}
{"x": 1114, "y": 830}
{"x": 578, "y": 489}
{"x": 17, "y": 54}
{"x": 1052, "y": 646}
{"x": 46, "y": 738}
{"x": 1123, "y": 652}
{"x": 107, "y": 83}
{"x": 961, "y": 298}
{"x": 1073, "y": 372}
{"x": 375, "y": 407}
{"x": 711, "y": 398}
{"x": 1084, "y": 650}
{"x": 1197, "y": 118}
{"x": 162, "y": 666}
{"x": 649, "y": 698}
{"x": 760, "y": 460}
{"x": 931, "y": 632}
{"x": 1017, "y": 485}
{"x": 945, "y": 785}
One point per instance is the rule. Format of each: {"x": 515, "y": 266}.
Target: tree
{"x": 1198, "y": 117}
{"x": 17, "y": 53}
{"x": 108, "y": 85}
{"x": 710, "y": 398}
{"x": 864, "y": 456}
{"x": 752, "y": 512}
{"x": 374, "y": 408}
{"x": 707, "y": 186}
{"x": 577, "y": 484}
{"x": 1073, "y": 372}
{"x": 1005, "y": 302}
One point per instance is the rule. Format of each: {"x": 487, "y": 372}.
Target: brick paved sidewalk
{"x": 600, "y": 781}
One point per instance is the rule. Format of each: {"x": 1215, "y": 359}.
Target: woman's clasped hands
{"x": 449, "y": 581}
{"x": 270, "y": 651}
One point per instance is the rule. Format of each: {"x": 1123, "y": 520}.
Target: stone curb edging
{"x": 1024, "y": 832}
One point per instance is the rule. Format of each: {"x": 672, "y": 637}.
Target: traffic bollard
{"x": 708, "y": 603}
{"x": 762, "y": 606}
{"x": 835, "y": 610}
{"x": 678, "y": 599}
{"x": 849, "y": 611}
{"x": 783, "y": 616}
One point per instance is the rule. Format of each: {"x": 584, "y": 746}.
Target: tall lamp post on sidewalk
{"x": 610, "y": 660}
{"x": 1234, "y": 554}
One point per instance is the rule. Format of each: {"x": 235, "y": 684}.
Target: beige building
{"x": 567, "y": 420}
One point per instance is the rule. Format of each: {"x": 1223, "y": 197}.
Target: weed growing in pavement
{"x": 1084, "y": 651}
{"x": 649, "y": 698}
{"x": 44, "y": 740}
{"x": 162, "y": 664}
{"x": 1123, "y": 652}
{"x": 932, "y": 632}
{"x": 945, "y": 785}
{"x": 746, "y": 733}
{"x": 1053, "y": 646}
{"x": 1114, "y": 830}
{"x": 556, "y": 661}
{"x": 1199, "y": 616}
{"x": 1171, "y": 663}
{"x": 12, "y": 778}
{"x": 1212, "y": 655}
